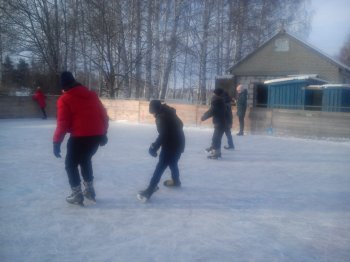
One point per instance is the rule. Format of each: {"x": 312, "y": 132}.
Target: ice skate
{"x": 209, "y": 149}
{"x": 76, "y": 197}
{"x": 145, "y": 195}
{"x": 89, "y": 191}
{"x": 232, "y": 147}
{"x": 214, "y": 154}
{"x": 172, "y": 183}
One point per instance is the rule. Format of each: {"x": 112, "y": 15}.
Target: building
{"x": 282, "y": 56}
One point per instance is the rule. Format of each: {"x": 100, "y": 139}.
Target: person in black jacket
{"x": 171, "y": 139}
{"x": 242, "y": 96}
{"x": 229, "y": 121}
{"x": 217, "y": 112}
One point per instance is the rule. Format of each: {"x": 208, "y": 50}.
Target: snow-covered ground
{"x": 272, "y": 199}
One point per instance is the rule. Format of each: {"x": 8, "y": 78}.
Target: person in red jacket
{"x": 40, "y": 98}
{"x": 80, "y": 113}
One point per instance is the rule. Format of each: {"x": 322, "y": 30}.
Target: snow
{"x": 272, "y": 199}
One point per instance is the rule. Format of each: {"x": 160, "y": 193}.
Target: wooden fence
{"x": 299, "y": 123}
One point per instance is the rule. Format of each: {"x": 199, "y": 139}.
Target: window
{"x": 281, "y": 45}
{"x": 260, "y": 95}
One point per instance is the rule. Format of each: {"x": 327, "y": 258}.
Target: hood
{"x": 167, "y": 109}
{"x": 79, "y": 91}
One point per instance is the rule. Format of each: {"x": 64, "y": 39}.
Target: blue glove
{"x": 152, "y": 151}
{"x": 104, "y": 140}
{"x": 57, "y": 149}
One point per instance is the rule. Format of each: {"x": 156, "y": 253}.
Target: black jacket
{"x": 242, "y": 103}
{"x": 216, "y": 111}
{"x": 170, "y": 128}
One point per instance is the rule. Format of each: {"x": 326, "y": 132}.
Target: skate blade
{"x": 76, "y": 204}
{"x": 89, "y": 202}
{"x": 142, "y": 198}
{"x": 215, "y": 158}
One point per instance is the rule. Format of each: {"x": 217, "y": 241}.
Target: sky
{"x": 330, "y": 25}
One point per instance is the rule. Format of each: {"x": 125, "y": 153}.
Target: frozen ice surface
{"x": 272, "y": 199}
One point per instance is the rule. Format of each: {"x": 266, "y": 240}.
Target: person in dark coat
{"x": 80, "y": 113}
{"x": 171, "y": 140}
{"x": 40, "y": 98}
{"x": 217, "y": 112}
{"x": 229, "y": 121}
{"x": 242, "y": 95}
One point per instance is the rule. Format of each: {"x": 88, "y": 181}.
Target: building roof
{"x": 307, "y": 45}
{"x": 294, "y": 78}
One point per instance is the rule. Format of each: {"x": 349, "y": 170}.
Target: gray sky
{"x": 330, "y": 25}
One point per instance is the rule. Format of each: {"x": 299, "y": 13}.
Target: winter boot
{"x": 172, "y": 183}
{"x": 76, "y": 197}
{"x": 144, "y": 195}
{"x": 89, "y": 191}
{"x": 215, "y": 154}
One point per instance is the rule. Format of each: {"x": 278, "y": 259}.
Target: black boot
{"x": 172, "y": 183}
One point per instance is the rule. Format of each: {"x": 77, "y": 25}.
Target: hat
{"x": 218, "y": 91}
{"x": 67, "y": 80}
{"x": 154, "y": 106}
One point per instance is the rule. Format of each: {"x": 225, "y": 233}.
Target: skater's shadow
{"x": 199, "y": 198}
{"x": 249, "y": 200}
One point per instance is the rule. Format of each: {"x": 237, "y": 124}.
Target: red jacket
{"x": 40, "y": 98}
{"x": 81, "y": 113}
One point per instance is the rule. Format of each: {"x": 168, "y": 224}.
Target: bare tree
{"x": 344, "y": 55}
{"x": 172, "y": 42}
{"x": 136, "y": 45}
{"x": 39, "y": 27}
{"x": 149, "y": 51}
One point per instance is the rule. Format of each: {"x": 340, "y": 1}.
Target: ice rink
{"x": 272, "y": 199}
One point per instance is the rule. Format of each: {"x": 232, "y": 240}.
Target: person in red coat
{"x": 80, "y": 113}
{"x": 40, "y": 98}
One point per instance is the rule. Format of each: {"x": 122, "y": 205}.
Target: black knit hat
{"x": 154, "y": 106}
{"x": 218, "y": 91}
{"x": 67, "y": 80}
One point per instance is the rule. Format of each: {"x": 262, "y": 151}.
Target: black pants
{"x": 44, "y": 112}
{"x": 166, "y": 159}
{"x": 229, "y": 136}
{"x": 217, "y": 136}
{"x": 241, "y": 123}
{"x": 79, "y": 153}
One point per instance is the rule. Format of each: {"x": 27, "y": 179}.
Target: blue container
{"x": 289, "y": 93}
{"x": 336, "y": 98}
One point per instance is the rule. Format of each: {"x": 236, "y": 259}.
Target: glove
{"x": 152, "y": 151}
{"x": 57, "y": 149}
{"x": 104, "y": 140}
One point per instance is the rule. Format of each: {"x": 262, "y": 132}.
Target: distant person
{"x": 40, "y": 98}
{"x": 217, "y": 112}
{"x": 229, "y": 121}
{"x": 171, "y": 140}
{"x": 80, "y": 113}
{"x": 242, "y": 95}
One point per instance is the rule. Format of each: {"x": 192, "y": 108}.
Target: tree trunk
{"x": 172, "y": 49}
{"x": 203, "y": 52}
